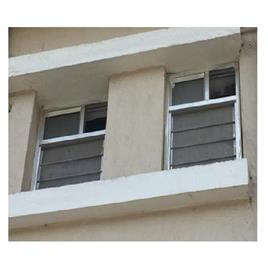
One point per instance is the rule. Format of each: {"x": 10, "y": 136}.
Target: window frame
{"x": 172, "y": 79}
{"x": 62, "y": 139}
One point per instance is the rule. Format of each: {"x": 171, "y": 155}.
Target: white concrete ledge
{"x": 80, "y": 74}
{"x": 143, "y": 193}
{"x": 116, "y": 47}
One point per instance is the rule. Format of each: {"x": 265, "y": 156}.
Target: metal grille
{"x": 202, "y": 135}
{"x": 70, "y": 162}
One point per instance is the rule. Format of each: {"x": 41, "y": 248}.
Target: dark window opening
{"x": 95, "y": 117}
{"x": 222, "y": 83}
{"x": 95, "y": 124}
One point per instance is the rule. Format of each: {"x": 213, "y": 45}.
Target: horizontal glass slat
{"x": 202, "y": 127}
{"x": 81, "y": 149}
{"x": 80, "y": 178}
{"x": 71, "y": 160}
{"x": 203, "y": 135}
{"x": 183, "y": 120}
{"x": 70, "y": 168}
{"x": 202, "y": 152}
{"x": 206, "y": 161}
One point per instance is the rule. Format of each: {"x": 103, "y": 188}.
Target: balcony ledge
{"x": 115, "y": 47}
{"x": 143, "y": 193}
{"x": 79, "y": 72}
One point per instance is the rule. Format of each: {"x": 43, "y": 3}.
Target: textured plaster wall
{"x": 229, "y": 221}
{"x": 135, "y": 124}
{"x": 31, "y": 40}
{"x": 23, "y": 117}
{"x": 248, "y": 83}
{"x": 226, "y": 221}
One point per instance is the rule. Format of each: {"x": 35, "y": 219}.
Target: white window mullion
{"x": 38, "y": 151}
{"x": 206, "y": 84}
{"x": 82, "y": 119}
{"x": 168, "y": 134}
{"x": 237, "y": 115}
{"x": 64, "y": 111}
{"x": 202, "y": 103}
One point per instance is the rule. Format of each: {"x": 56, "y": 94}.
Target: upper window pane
{"x": 95, "y": 117}
{"x": 188, "y": 91}
{"x": 61, "y": 125}
{"x": 222, "y": 83}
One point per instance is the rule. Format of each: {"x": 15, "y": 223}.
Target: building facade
{"x": 133, "y": 134}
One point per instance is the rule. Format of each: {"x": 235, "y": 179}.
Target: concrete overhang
{"x": 143, "y": 193}
{"x": 79, "y": 74}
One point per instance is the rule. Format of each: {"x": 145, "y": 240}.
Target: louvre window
{"x": 72, "y": 147}
{"x": 203, "y": 119}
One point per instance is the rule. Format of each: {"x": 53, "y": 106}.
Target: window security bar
{"x": 200, "y": 144}
{"x": 71, "y": 176}
{"x": 203, "y": 161}
{"x": 203, "y": 103}
{"x": 96, "y": 135}
{"x": 71, "y": 160}
{"x": 203, "y": 127}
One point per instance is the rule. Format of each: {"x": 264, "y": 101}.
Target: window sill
{"x": 143, "y": 193}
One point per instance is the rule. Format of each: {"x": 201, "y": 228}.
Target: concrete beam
{"x": 112, "y": 48}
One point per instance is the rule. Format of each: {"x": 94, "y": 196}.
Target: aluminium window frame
{"x": 172, "y": 79}
{"x": 41, "y": 142}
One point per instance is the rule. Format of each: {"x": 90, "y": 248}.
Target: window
{"x": 203, "y": 118}
{"x": 71, "y": 146}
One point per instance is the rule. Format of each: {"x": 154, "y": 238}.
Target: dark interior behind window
{"x": 95, "y": 117}
{"x": 222, "y": 83}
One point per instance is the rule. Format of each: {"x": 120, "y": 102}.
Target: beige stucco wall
{"x": 226, "y": 221}
{"x": 135, "y": 123}
{"x": 30, "y": 40}
{"x": 248, "y": 83}
{"x": 229, "y": 221}
{"x": 23, "y": 118}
